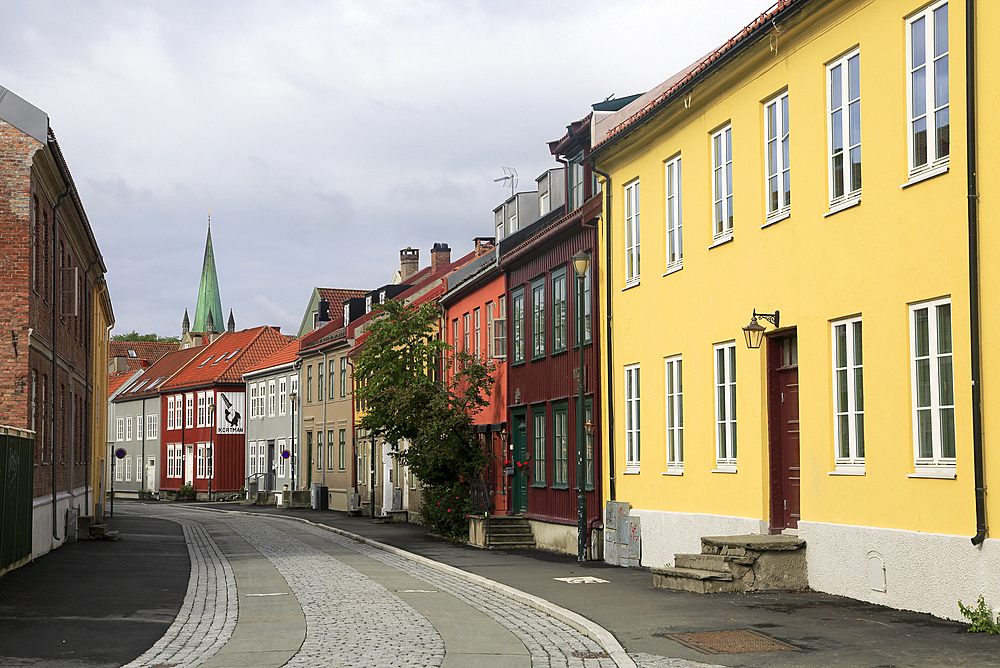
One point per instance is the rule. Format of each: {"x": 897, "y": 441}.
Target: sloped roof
{"x": 337, "y": 297}
{"x": 152, "y": 380}
{"x": 225, "y": 359}
{"x": 116, "y": 380}
{"x": 144, "y": 350}
{"x": 283, "y": 356}
{"x": 209, "y": 303}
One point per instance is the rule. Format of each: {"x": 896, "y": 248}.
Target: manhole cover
{"x": 741, "y": 641}
{"x": 590, "y": 655}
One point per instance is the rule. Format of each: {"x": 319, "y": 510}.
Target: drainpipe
{"x": 55, "y": 339}
{"x": 322, "y": 465}
{"x": 974, "y": 323}
{"x": 609, "y": 388}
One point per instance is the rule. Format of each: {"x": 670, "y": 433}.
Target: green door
{"x": 520, "y": 481}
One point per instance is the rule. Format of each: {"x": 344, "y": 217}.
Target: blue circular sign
{"x": 120, "y": 453}
{"x": 285, "y": 454}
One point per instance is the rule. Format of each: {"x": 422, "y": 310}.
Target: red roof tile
{"x": 283, "y": 356}
{"x": 147, "y": 350}
{"x": 336, "y": 297}
{"x": 224, "y": 360}
{"x": 153, "y": 379}
{"x": 115, "y": 380}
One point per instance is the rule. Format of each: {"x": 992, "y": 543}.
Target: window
{"x": 848, "y": 394}
{"x": 152, "y": 426}
{"x": 477, "y": 327}
{"x": 368, "y": 303}
{"x": 466, "y": 321}
{"x": 517, "y": 302}
{"x": 927, "y": 85}
{"x": 253, "y": 401}
{"x": 329, "y": 450}
{"x": 575, "y": 182}
{"x": 319, "y": 382}
{"x": 778, "y": 186}
{"x": 543, "y": 203}
{"x": 587, "y": 333}
{"x": 120, "y": 429}
{"x": 454, "y": 337}
{"x": 138, "y": 428}
{"x": 128, "y": 428}
{"x": 189, "y": 410}
{"x": 559, "y": 310}
{"x": 513, "y": 223}
{"x": 722, "y": 184}
{"x": 178, "y": 461}
{"x": 498, "y": 328}
{"x": 282, "y": 395}
{"x": 632, "y": 417}
{"x": 170, "y": 412}
{"x": 201, "y": 409}
{"x": 261, "y": 398}
{"x": 342, "y": 450}
{"x": 538, "y": 318}
{"x": 309, "y": 384}
{"x": 319, "y": 448}
{"x": 201, "y": 460}
{"x": 632, "y": 233}
{"x": 844, "y": 95}
{"x": 270, "y": 397}
{"x": 588, "y": 418}
{"x": 932, "y": 384}
{"x": 560, "y": 446}
{"x": 127, "y": 465}
{"x": 725, "y": 406}
{"x": 281, "y": 460}
{"x": 332, "y": 378}
{"x": 538, "y": 443}
{"x": 170, "y": 460}
{"x": 178, "y": 409}
{"x": 675, "y": 238}
{"x": 309, "y": 450}
{"x": 343, "y": 377}
{"x": 674, "y": 390}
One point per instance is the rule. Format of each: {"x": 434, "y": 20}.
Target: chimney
{"x": 324, "y": 311}
{"x": 144, "y": 363}
{"x": 484, "y": 245}
{"x": 440, "y": 256}
{"x": 409, "y": 262}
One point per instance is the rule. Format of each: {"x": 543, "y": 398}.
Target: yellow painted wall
{"x": 899, "y": 246}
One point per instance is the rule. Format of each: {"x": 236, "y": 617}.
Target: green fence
{"x": 17, "y": 449}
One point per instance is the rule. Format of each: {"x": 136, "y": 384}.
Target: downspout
{"x": 974, "y": 322}
{"x": 55, "y": 339}
{"x": 610, "y": 387}
{"x": 322, "y": 465}
{"x": 142, "y": 483}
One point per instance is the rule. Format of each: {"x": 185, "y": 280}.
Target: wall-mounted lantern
{"x": 754, "y": 332}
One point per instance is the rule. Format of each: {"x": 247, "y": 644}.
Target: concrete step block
{"x": 704, "y": 562}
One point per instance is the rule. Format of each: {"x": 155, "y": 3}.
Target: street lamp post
{"x": 581, "y": 263}
{"x": 292, "y": 396}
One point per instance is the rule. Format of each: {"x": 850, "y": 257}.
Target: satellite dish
{"x": 509, "y": 178}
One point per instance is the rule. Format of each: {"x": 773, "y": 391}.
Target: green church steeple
{"x": 208, "y": 291}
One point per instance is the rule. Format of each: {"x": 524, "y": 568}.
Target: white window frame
{"x": 933, "y": 163}
{"x": 179, "y": 411}
{"x": 279, "y": 448}
{"x": 777, "y": 174}
{"x": 202, "y": 409}
{"x": 282, "y": 395}
{"x": 721, "y": 150}
{"x": 200, "y": 471}
{"x": 674, "y": 219}
{"x": 152, "y": 426}
{"x": 179, "y": 461}
{"x": 631, "y": 202}
{"x": 673, "y": 389}
{"x": 120, "y": 429}
{"x": 725, "y": 407}
{"x": 139, "y": 428}
{"x": 632, "y": 394}
{"x": 189, "y": 410}
{"x": 847, "y": 346}
{"x": 841, "y": 106}
{"x": 170, "y": 413}
{"x": 270, "y": 397}
{"x": 477, "y": 319}
{"x": 935, "y": 405}
{"x": 261, "y": 398}
{"x": 128, "y": 428}
{"x": 170, "y": 460}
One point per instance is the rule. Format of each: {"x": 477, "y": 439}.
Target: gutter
{"x": 974, "y": 320}
{"x": 610, "y": 387}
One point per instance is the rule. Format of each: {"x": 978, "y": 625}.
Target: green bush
{"x": 980, "y": 618}
{"x": 186, "y": 492}
{"x": 446, "y": 508}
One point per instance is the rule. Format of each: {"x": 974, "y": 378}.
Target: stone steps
{"x": 738, "y": 563}
{"x": 694, "y": 580}
{"x": 510, "y": 531}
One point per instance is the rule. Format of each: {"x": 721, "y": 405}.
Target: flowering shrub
{"x": 446, "y": 508}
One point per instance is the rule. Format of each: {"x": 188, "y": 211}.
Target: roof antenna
{"x": 509, "y": 175}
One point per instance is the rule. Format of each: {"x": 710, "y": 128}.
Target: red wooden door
{"x": 784, "y": 429}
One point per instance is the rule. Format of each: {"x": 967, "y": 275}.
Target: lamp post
{"x": 292, "y": 396}
{"x": 581, "y": 263}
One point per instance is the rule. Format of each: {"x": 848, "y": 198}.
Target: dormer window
{"x": 381, "y": 297}
{"x": 347, "y": 315}
{"x": 206, "y": 361}
{"x": 368, "y": 304}
{"x": 132, "y": 354}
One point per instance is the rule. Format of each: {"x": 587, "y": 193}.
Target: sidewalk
{"x": 827, "y": 630}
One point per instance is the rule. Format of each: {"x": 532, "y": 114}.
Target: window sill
{"x": 925, "y": 174}
{"x": 673, "y": 268}
{"x": 631, "y": 284}
{"x": 776, "y": 218}
{"x": 631, "y": 471}
{"x": 942, "y": 472}
{"x": 537, "y": 486}
{"x": 673, "y": 471}
{"x": 724, "y": 469}
{"x": 720, "y": 241}
{"x": 848, "y": 470}
{"x": 560, "y": 487}
{"x": 840, "y": 206}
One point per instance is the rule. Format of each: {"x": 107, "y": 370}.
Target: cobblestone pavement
{"x": 351, "y": 620}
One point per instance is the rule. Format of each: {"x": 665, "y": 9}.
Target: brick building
{"x": 52, "y": 296}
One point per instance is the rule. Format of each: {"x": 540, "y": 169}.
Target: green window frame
{"x": 331, "y": 379}
{"x": 559, "y": 336}
{"x": 342, "y": 450}
{"x": 538, "y": 446}
{"x": 329, "y": 450}
{"x": 319, "y": 382}
{"x": 560, "y": 446}
{"x": 309, "y": 383}
{"x": 517, "y": 304}
{"x": 538, "y": 318}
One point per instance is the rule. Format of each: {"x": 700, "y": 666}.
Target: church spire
{"x": 208, "y": 290}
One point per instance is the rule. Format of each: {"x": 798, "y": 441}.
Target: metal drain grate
{"x": 741, "y": 641}
{"x": 590, "y": 655}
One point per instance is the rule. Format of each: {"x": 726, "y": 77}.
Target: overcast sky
{"x": 323, "y": 135}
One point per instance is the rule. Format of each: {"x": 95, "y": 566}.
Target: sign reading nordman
{"x": 229, "y": 419}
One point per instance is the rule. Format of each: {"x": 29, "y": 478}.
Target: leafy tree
{"x": 148, "y": 338}
{"x": 404, "y": 399}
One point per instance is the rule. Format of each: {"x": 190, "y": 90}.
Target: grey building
{"x": 273, "y": 419}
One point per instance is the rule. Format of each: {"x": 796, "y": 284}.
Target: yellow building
{"x": 853, "y": 425}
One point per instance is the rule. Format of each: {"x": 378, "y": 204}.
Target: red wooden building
{"x": 543, "y": 339}
{"x": 204, "y": 412}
